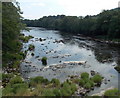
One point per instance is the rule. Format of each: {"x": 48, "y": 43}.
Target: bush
{"x": 44, "y": 60}
{"x": 66, "y": 89}
{"x": 73, "y": 88}
{"x": 87, "y": 85}
{"x": 66, "y": 92}
{"x": 20, "y": 87}
{"x": 22, "y": 54}
{"x": 17, "y": 88}
{"x": 84, "y": 75}
{"x": 7, "y": 76}
{"x": 37, "y": 80}
{"x": 57, "y": 92}
{"x": 76, "y": 81}
{"x": 16, "y": 80}
{"x": 16, "y": 64}
{"x": 48, "y": 92}
{"x": 81, "y": 82}
{"x": 25, "y": 38}
{"x": 97, "y": 78}
{"x": 91, "y": 83}
{"x": 56, "y": 82}
{"x": 7, "y": 91}
{"x": 112, "y": 92}
{"x": 31, "y": 47}
{"x": 37, "y": 91}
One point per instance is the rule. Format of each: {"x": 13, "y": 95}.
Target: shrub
{"x": 57, "y": 92}
{"x": 46, "y": 81}
{"x": 87, "y": 85}
{"x": 91, "y": 83}
{"x": 16, "y": 64}
{"x": 76, "y": 81}
{"x": 84, "y": 75}
{"x": 25, "y": 38}
{"x": 22, "y": 54}
{"x": 37, "y": 91}
{"x": 112, "y": 92}
{"x": 20, "y": 87}
{"x": 31, "y": 47}
{"x": 81, "y": 82}
{"x": 7, "y": 91}
{"x": 56, "y": 82}
{"x": 16, "y": 80}
{"x": 7, "y": 76}
{"x": 37, "y": 80}
{"x": 66, "y": 92}
{"x": 66, "y": 89}
{"x": 73, "y": 88}
{"x": 97, "y": 78}
{"x": 44, "y": 60}
{"x": 48, "y": 92}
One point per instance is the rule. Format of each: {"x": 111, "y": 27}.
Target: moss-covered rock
{"x": 44, "y": 60}
{"x": 117, "y": 68}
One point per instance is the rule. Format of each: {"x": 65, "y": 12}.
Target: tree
{"x": 11, "y": 26}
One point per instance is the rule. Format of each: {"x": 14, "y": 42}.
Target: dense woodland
{"x": 11, "y": 27}
{"x": 105, "y": 25}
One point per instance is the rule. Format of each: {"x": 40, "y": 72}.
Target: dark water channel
{"x": 61, "y": 47}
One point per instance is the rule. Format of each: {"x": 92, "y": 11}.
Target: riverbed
{"x": 60, "y": 47}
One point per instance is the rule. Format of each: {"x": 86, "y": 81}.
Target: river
{"x": 60, "y": 47}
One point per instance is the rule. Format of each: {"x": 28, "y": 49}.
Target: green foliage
{"x": 31, "y": 47}
{"x": 38, "y": 90}
{"x": 7, "y": 91}
{"x": 112, "y": 92}
{"x": 81, "y": 82}
{"x": 16, "y": 80}
{"x": 117, "y": 68}
{"x": 15, "y": 89}
{"x": 38, "y": 80}
{"x": 57, "y": 92}
{"x": 7, "y": 76}
{"x": 91, "y": 83}
{"x": 19, "y": 88}
{"x": 68, "y": 89}
{"x": 76, "y": 80}
{"x": 11, "y": 27}
{"x": 48, "y": 92}
{"x": 87, "y": 85}
{"x": 44, "y": 60}
{"x": 16, "y": 64}
{"x": 84, "y": 75}
{"x": 25, "y": 39}
{"x": 73, "y": 88}
{"x": 97, "y": 78}
{"x": 56, "y": 82}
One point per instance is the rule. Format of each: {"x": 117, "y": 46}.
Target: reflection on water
{"x": 60, "y": 47}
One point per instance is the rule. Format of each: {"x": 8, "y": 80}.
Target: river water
{"x": 60, "y": 47}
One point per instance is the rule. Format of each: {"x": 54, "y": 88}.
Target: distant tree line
{"x": 106, "y": 24}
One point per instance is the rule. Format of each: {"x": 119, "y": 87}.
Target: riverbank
{"x": 101, "y": 40}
